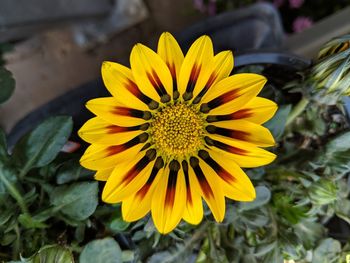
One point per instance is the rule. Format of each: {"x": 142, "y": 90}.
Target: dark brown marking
{"x": 114, "y": 149}
{"x": 209, "y": 83}
{"x": 156, "y": 83}
{"x": 172, "y": 180}
{"x": 144, "y": 190}
{"x": 225, "y": 175}
{"x": 134, "y": 89}
{"x": 225, "y": 147}
{"x": 208, "y": 192}
{"x": 196, "y": 69}
{"x": 173, "y": 74}
{"x": 111, "y": 150}
{"x": 240, "y": 114}
{"x": 235, "y": 134}
{"x": 138, "y": 167}
{"x": 224, "y": 98}
{"x": 111, "y": 129}
{"x": 187, "y": 180}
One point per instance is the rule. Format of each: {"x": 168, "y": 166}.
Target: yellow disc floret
{"x": 177, "y": 131}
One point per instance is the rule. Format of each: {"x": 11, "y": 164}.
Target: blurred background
{"x": 53, "y": 47}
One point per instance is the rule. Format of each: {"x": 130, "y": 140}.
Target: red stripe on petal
{"x": 226, "y": 176}
{"x": 138, "y": 167}
{"x": 156, "y": 83}
{"x": 240, "y": 114}
{"x": 196, "y": 69}
{"x": 111, "y": 150}
{"x": 207, "y": 191}
{"x": 111, "y": 129}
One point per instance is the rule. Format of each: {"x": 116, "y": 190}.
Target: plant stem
{"x": 14, "y": 193}
{"x": 297, "y": 110}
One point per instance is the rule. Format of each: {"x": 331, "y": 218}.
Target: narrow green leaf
{"x": 78, "y": 200}
{"x": 41, "y": 146}
{"x": 104, "y": 250}
{"x": 28, "y": 222}
{"x": 7, "y": 84}
{"x": 323, "y": 192}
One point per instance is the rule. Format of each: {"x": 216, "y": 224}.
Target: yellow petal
{"x": 121, "y": 84}
{"x": 193, "y": 75}
{"x": 139, "y": 204}
{"x": 151, "y": 73}
{"x": 193, "y": 212}
{"x": 258, "y": 110}
{"x": 128, "y": 177}
{"x": 232, "y": 93}
{"x": 243, "y": 153}
{"x": 210, "y": 189}
{"x": 116, "y": 113}
{"x": 171, "y": 53}
{"x": 103, "y": 174}
{"x": 235, "y": 183}
{"x": 169, "y": 200}
{"x": 242, "y": 130}
{"x": 97, "y": 130}
{"x": 220, "y": 68}
{"x": 99, "y": 156}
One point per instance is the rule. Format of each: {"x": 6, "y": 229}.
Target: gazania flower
{"x": 177, "y": 129}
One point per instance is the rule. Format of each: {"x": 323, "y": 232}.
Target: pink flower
{"x": 296, "y": 3}
{"x": 278, "y": 3}
{"x": 301, "y": 23}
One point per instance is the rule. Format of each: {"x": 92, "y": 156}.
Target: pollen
{"x": 177, "y": 131}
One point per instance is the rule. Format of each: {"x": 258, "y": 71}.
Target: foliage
{"x": 50, "y": 211}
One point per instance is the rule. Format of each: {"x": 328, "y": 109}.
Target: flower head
{"x": 177, "y": 129}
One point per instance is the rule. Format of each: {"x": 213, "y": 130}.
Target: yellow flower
{"x": 177, "y": 129}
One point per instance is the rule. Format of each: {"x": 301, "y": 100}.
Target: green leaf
{"x": 263, "y": 196}
{"x": 342, "y": 209}
{"x": 286, "y": 208}
{"x": 7, "y": 84}
{"x": 323, "y": 192}
{"x": 278, "y": 123}
{"x": 51, "y": 254}
{"x": 41, "y": 146}
{"x": 328, "y": 251}
{"x": 273, "y": 256}
{"x": 78, "y": 200}
{"x": 72, "y": 171}
{"x": 104, "y": 250}
{"x": 340, "y": 143}
{"x": 118, "y": 225}
{"x": 28, "y": 222}
{"x": 309, "y": 232}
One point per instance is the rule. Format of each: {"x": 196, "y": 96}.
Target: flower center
{"x": 177, "y": 131}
